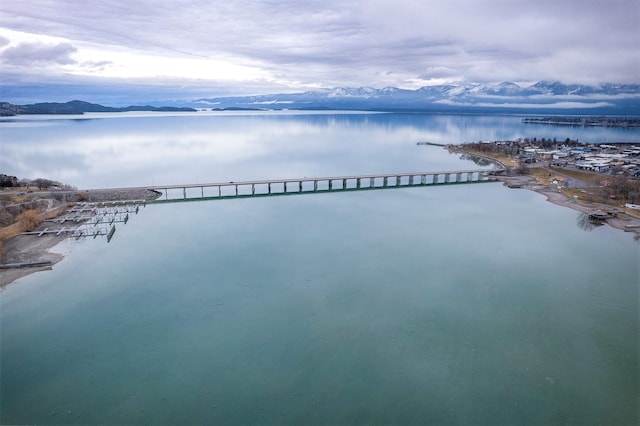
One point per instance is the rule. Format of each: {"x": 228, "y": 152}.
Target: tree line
{"x": 7, "y": 181}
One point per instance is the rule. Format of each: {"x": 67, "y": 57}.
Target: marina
{"x": 92, "y": 219}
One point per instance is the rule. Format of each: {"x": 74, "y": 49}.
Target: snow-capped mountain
{"x": 542, "y": 96}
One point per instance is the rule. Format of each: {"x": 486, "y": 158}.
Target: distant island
{"x": 78, "y": 107}
{"x": 585, "y": 121}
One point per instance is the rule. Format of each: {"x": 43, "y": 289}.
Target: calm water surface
{"x": 470, "y": 304}
{"x": 137, "y": 149}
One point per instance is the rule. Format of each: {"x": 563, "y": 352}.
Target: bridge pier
{"x": 435, "y": 178}
{"x": 384, "y": 182}
{"x": 315, "y": 186}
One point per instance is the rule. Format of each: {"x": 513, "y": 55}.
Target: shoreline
{"x": 22, "y": 251}
{"x": 31, "y": 249}
{"x": 554, "y": 196}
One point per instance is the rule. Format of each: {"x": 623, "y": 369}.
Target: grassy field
{"x": 504, "y": 159}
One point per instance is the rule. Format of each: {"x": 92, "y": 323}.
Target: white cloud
{"x": 554, "y": 105}
{"x": 269, "y": 45}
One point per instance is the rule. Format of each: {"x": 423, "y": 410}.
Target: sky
{"x": 205, "y": 48}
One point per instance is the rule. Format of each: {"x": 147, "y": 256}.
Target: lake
{"x": 458, "y": 305}
{"x": 137, "y": 149}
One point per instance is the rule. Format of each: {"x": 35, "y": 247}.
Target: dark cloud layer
{"x": 32, "y": 54}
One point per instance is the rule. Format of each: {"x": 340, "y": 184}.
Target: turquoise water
{"x": 456, "y": 305}
{"x": 469, "y": 304}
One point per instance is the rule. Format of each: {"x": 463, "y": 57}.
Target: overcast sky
{"x": 217, "y": 47}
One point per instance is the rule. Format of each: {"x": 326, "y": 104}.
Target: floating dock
{"x": 91, "y": 219}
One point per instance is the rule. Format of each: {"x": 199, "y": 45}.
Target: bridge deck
{"x": 317, "y": 179}
{"x": 250, "y": 188}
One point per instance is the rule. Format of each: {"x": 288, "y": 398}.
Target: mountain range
{"x": 543, "y": 97}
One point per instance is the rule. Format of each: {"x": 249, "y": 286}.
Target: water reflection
{"x": 587, "y": 223}
{"x": 98, "y": 150}
{"x": 483, "y": 162}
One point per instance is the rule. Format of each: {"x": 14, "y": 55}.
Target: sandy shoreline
{"x": 29, "y": 249}
{"x": 24, "y": 249}
{"x": 628, "y": 223}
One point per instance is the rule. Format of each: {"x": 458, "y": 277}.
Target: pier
{"x": 255, "y": 188}
{"x": 77, "y": 231}
{"x": 101, "y": 212}
{"x": 91, "y": 219}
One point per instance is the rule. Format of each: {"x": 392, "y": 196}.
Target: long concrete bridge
{"x": 254, "y": 188}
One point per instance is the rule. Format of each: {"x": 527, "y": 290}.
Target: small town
{"x": 599, "y": 179}
{"x": 605, "y": 158}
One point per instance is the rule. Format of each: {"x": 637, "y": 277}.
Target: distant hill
{"x": 76, "y": 107}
